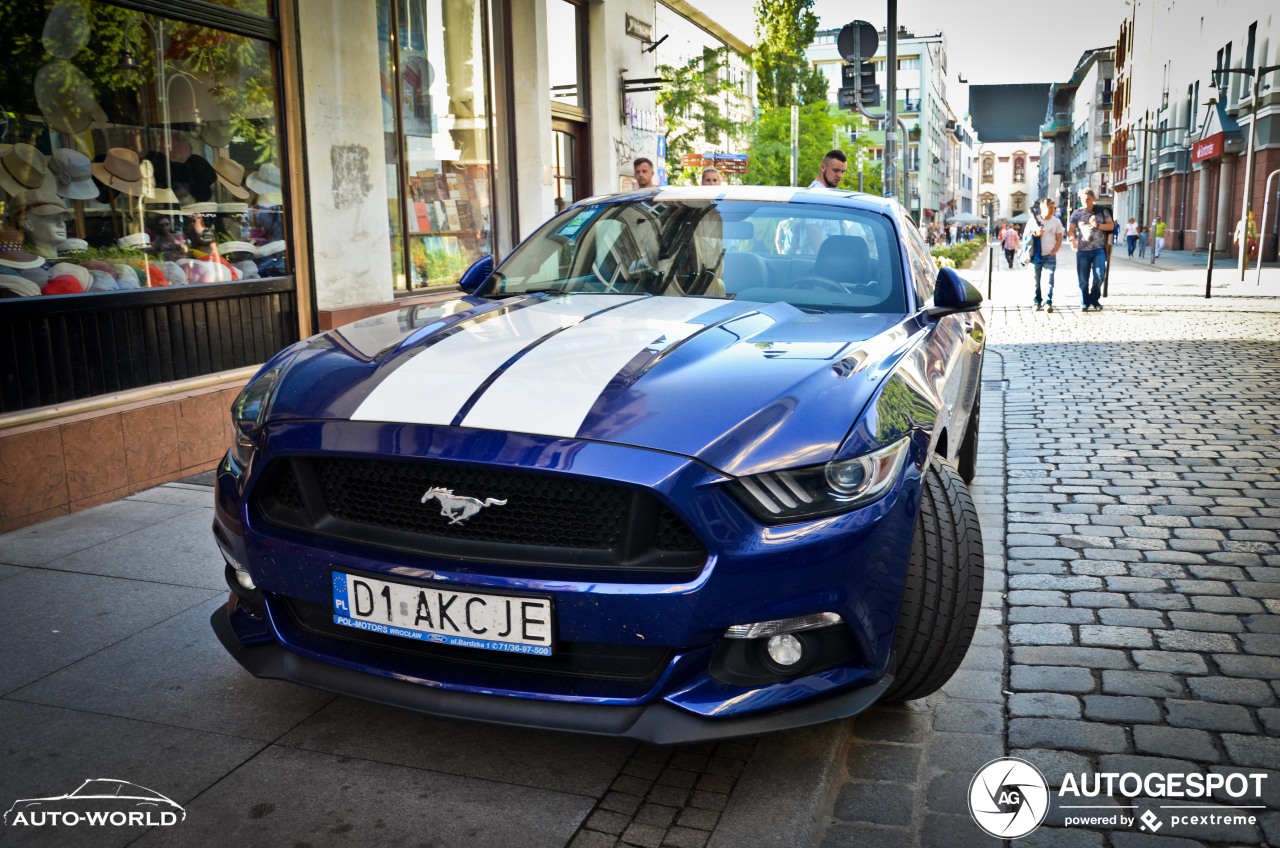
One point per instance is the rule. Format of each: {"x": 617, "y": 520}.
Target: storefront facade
{"x": 318, "y": 163}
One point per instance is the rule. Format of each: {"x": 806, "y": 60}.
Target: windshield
{"x": 819, "y": 258}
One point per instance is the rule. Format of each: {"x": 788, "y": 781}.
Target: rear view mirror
{"x": 474, "y": 277}
{"x": 953, "y": 293}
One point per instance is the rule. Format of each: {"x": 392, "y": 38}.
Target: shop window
{"x": 141, "y": 151}
{"x": 435, "y": 111}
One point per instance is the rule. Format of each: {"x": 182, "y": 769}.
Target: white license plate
{"x": 519, "y": 625}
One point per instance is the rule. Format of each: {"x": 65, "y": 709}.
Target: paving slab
{"x": 53, "y": 619}
{"x": 178, "y": 550}
{"x": 51, "y": 751}
{"x": 176, "y": 673}
{"x": 49, "y": 540}
{"x": 562, "y": 762}
{"x": 286, "y": 796}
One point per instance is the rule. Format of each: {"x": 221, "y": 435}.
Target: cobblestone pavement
{"x": 1131, "y": 493}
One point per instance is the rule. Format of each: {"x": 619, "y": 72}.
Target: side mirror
{"x": 953, "y": 293}
{"x": 474, "y": 277}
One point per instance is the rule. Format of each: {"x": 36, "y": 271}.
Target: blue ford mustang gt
{"x": 688, "y": 464}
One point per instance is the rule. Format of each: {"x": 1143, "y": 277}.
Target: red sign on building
{"x": 1209, "y": 148}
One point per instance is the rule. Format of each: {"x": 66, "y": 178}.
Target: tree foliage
{"x": 822, "y": 126}
{"x": 784, "y": 28}
{"x": 235, "y": 71}
{"x": 690, "y": 104}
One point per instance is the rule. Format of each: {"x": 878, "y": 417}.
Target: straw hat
{"x": 22, "y": 168}
{"x": 265, "y": 180}
{"x": 120, "y": 171}
{"x": 163, "y": 202}
{"x": 231, "y": 175}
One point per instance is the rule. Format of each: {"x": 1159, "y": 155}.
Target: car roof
{"x": 769, "y": 194}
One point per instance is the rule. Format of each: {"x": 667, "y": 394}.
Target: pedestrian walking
{"x": 1248, "y": 233}
{"x": 1090, "y": 228}
{"x": 1009, "y": 240}
{"x": 1158, "y": 230}
{"x": 952, "y": 235}
{"x": 1142, "y": 242}
{"x": 1131, "y": 234}
{"x": 1048, "y": 230}
{"x": 711, "y": 177}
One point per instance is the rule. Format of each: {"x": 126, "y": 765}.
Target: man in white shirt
{"x": 1050, "y": 232}
{"x": 831, "y": 171}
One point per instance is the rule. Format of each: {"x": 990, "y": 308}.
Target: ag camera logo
{"x": 1008, "y": 798}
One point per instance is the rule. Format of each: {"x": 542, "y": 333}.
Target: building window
{"x": 1019, "y": 169}
{"x": 988, "y": 169}
{"x": 142, "y": 159}
{"x": 435, "y": 111}
{"x": 146, "y": 153}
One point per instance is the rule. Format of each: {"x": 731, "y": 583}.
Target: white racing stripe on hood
{"x": 552, "y": 388}
{"x": 432, "y": 387}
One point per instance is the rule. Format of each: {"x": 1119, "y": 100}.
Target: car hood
{"x": 740, "y": 386}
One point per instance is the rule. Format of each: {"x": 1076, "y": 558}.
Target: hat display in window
{"x": 266, "y": 183}
{"x": 231, "y": 176}
{"x": 73, "y": 174}
{"x": 22, "y": 168}
{"x": 121, "y": 171}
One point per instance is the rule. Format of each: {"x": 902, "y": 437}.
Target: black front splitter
{"x": 658, "y": 723}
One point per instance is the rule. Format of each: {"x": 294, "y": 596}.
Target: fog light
{"x": 245, "y": 579}
{"x": 785, "y": 650}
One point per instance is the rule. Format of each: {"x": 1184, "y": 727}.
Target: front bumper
{"x": 852, "y": 564}
{"x": 658, "y": 723}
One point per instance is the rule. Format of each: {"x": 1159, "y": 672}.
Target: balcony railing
{"x": 1060, "y": 122}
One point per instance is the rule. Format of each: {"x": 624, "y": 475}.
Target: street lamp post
{"x": 1257, "y": 76}
{"x": 1148, "y": 184}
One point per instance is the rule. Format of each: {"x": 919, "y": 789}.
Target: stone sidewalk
{"x": 1137, "y": 466}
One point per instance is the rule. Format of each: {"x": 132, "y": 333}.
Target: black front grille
{"x": 539, "y": 519}
{"x": 640, "y": 666}
{"x": 542, "y": 511}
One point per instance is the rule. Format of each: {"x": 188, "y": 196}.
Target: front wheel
{"x": 943, "y": 594}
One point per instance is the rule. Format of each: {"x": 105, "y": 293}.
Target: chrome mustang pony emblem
{"x": 458, "y": 508}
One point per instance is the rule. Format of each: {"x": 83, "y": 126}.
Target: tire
{"x": 943, "y": 593}
{"x": 967, "y": 458}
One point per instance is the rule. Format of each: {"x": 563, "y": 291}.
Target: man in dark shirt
{"x": 1089, "y": 230}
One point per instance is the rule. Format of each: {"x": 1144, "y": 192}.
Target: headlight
{"x": 800, "y": 493}
{"x": 249, "y": 413}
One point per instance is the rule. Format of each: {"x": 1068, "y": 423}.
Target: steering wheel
{"x": 814, "y": 281}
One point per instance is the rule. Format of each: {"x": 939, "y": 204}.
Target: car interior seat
{"x": 846, "y": 260}
{"x": 744, "y": 271}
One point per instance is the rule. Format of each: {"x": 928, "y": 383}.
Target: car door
{"x": 956, "y": 345}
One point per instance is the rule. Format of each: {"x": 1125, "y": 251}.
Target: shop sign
{"x": 1209, "y": 148}
{"x": 726, "y": 163}
{"x": 637, "y": 28}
